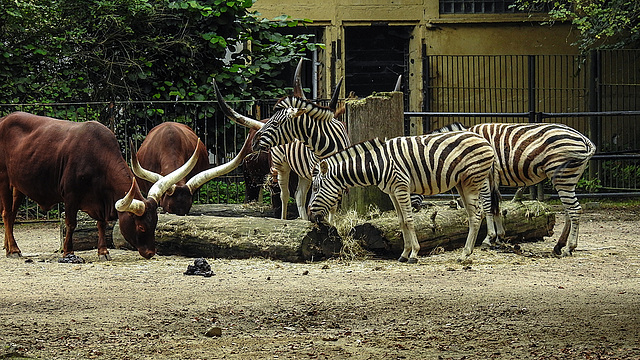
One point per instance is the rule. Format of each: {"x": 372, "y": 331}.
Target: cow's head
{"x": 138, "y": 217}
{"x": 177, "y": 199}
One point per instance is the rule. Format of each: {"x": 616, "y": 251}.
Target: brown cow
{"x": 166, "y": 148}
{"x": 79, "y": 164}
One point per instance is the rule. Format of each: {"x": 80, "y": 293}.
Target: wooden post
{"x": 379, "y": 115}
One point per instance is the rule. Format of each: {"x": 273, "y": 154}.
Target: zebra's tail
{"x": 495, "y": 193}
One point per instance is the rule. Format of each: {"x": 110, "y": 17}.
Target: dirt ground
{"x": 502, "y": 306}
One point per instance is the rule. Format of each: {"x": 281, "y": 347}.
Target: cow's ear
{"x": 324, "y": 167}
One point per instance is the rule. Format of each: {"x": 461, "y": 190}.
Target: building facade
{"x": 371, "y": 42}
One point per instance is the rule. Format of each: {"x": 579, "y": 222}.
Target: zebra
{"x": 427, "y": 164}
{"x": 527, "y": 154}
{"x": 292, "y": 155}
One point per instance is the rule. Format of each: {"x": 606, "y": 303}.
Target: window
{"x": 476, "y": 6}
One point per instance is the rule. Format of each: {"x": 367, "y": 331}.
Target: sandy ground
{"x": 503, "y": 306}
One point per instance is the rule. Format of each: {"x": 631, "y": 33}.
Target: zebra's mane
{"x": 357, "y": 148}
{"x": 315, "y": 111}
{"x": 456, "y": 126}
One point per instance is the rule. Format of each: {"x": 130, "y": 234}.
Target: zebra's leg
{"x": 301, "y": 197}
{"x": 474, "y": 213}
{"x": 485, "y": 196}
{"x": 572, "y": 211}
{"x": 283, "y": 182}
{"x": 402, "y": 203}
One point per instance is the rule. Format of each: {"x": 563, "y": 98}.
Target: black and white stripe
{"x": 294, "y": 157}
{"x": 299, "y": 119}
{"x": 428, "y": 165}
{"x": 527, "y": 154}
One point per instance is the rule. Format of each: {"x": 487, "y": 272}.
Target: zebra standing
{"x": 428, "y": 164}
{"x": 292, "y": 155}
{"x": 527, "y": 154}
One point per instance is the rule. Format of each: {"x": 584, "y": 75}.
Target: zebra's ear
{"x": 324, "y": 167}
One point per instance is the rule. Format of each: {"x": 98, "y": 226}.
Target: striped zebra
{"x": 530, "y": 153}
{"x": 292, "y": 155}
{"x": 428, "y": 165}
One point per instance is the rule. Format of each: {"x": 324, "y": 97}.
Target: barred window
{"x": 476, "y": 6}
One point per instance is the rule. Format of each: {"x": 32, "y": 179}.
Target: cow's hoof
{"x": 104, "y": 257}
{"x": 403, "y": 259}
{"x": 413, "y": 261}
{"x": 14, "y": 255}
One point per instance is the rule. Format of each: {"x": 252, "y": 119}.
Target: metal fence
{"x": 570, "y": 88}
{"x": 509, "y": 88}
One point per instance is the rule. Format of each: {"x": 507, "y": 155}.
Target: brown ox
{"x": 166, "y": 148}
{"x": 79, "y": 164}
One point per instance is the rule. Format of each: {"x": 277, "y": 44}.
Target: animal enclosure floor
{"x": 528, "y": 306}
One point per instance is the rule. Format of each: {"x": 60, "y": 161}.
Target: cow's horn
{"x": 232, "y": 114}
{"x": 297, "y": 81}
{"x": 398, "y": 83}
{"x": 200, "y": 179}
{"x": 129, "y": 204}
{"x": 334, "y": 99}
{"x": 139, "y": 171}
{"x": 162, "y": 185}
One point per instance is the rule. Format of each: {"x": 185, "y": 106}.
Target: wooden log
{"x": 85, "y": 236}
{"x": 446, "y": 227}
{"x": 379, "y": 115}
{"x": 241, "y": 237}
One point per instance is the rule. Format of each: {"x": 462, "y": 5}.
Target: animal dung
{"x": 71, "y": 259}
{"x": 200, "y": 267}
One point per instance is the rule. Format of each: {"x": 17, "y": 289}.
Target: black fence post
{"x": 595, "y": 122}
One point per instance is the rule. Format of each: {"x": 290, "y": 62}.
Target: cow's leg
{"x": 103, "y": 253}
{"x": 470, "y": 198}
{"x": 401, "y": 199}
{"x": 301, "y": 197}
{"x": 70, "y": 222}
{"x": 11, "y": 200}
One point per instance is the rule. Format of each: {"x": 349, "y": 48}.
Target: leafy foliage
{"x": 119, "y": 50}
{"x": 602, "y": 23}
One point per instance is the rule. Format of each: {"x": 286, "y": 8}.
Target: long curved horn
{"x": 398, "y": 83}
{"x": 232, "y": 114}
{"x": 200, "y": 179}
{"x": 297, "y": 81}
{"x": 162, "y": 185}
{"x": 138, "y": 170}
{"x": 129, "y": 204}
{"x": 334, "y": 99}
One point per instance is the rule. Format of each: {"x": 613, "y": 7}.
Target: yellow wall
{"x": 468, "y": 34}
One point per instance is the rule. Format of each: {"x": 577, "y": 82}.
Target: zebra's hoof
{"x": 465, "y": 261}
{"x": 412, "y": 261}
{"x": 403, "y": 259}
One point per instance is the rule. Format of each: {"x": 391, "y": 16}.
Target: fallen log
{"x": 241, "y": 238}
{"x": 85, "y": 236}
{"x": 447, "y": 227}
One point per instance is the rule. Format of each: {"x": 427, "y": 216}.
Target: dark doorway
{"x": 375, "y": 56}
